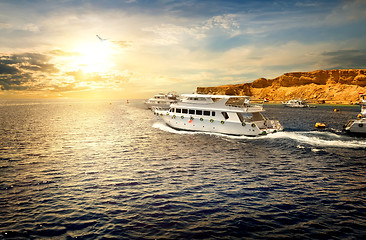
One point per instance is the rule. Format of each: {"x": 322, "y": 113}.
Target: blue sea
{"x": 112, "y": 170}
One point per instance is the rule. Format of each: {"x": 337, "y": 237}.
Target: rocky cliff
{"x": 332, "y": 86}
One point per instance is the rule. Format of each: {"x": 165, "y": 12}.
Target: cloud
{"x": 4, "y": 25}
{"x": 25, "y": 71}
{"x": 29, "y": 61}
{"x": 346, "y": 58}
{"x": 6, "y": 69}
{"x": 36, "y": 72}
{"x": 307, "y": 4}
{"x": 59, "y": 52}
{"x": 348, "y": 11}
{"x": 18, "y": 81}
{"x": 80, "y": 76}
{"x": 30, "y": 27}
{"x": 67, "y": 87}
{"x": 249, "y": 62}
{"x": 226, "y": 22}
{"x": 166, "y": 34}
{"x": 123, "y": 44}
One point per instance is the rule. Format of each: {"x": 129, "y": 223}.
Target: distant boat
{"x": 295, "y": 103}
{"x": 358, "y": 126}
{"x": 232, "y": 115}
{"x": 162, "y": 100}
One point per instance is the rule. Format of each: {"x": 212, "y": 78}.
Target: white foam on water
{"x": 313, "y": 138}
{"x": 322, "y": 139}
{"x": 315, "y": 150}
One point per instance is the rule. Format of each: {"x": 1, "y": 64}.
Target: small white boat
{"x": 232, "y": 115}
{"x": 358, "y": 126}
{"x": 295, "y": 103}
{"x": 162, "y": 100}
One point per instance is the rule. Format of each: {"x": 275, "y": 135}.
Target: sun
{"x": 94, "y": 57}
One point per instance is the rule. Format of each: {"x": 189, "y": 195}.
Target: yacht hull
{"x": 225, "y": 127}
{"x": 357, "y": 126}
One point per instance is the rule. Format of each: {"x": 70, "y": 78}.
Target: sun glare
{"x": 94, "y": 58}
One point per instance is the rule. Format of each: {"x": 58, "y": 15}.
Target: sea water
{"x": 112, "y": 170}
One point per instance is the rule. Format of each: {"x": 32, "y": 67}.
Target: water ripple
{"x": 90, "y": 170}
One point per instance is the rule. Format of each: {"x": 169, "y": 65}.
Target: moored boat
{"x": 162, "y": 100}
{"x": 358, "y": 126}
{"x": 295, "y": 103}
{"x": 232, "y": 115}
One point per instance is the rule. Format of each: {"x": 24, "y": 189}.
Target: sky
{"x": 50, "y": 49}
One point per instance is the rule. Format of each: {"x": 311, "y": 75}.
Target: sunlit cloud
{"x": 36, "y": 72}
{"x": 227, "y": 22}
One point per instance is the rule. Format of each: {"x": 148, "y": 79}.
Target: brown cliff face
{"x": 335, "y": 86}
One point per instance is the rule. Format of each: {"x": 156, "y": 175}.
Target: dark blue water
{"x": 111, "y": 170}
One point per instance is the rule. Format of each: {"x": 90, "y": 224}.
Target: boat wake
{"x": 313, "y": 138}
{"x": 321, "y": 139}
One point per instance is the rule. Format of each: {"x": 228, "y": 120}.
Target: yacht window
{"x": 178, "y": 110}
{"x": 246, "y": 115}
{"x": 213, "y": 114}
{"x": 206, "y": 113}
{"x": 226, "y": 116}
{"x": 171, "y": 110}
{"x": 191, "y": 111}
{"x": 184, "y": 111}
{"x": 198, "y": 112}
{"x": 240, "y": 116}
{"x": 257, "y": 116}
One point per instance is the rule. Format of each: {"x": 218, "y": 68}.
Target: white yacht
{"x": 295, "y": 103}
{"x": 358, "y": 126}
{"x": 232, "y": 115}
{"x": 162, "y": 100}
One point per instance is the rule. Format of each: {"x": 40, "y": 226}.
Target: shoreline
{"x": 346, "y": 103}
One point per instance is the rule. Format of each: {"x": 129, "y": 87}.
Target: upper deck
{"x": 218, "y": 103}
